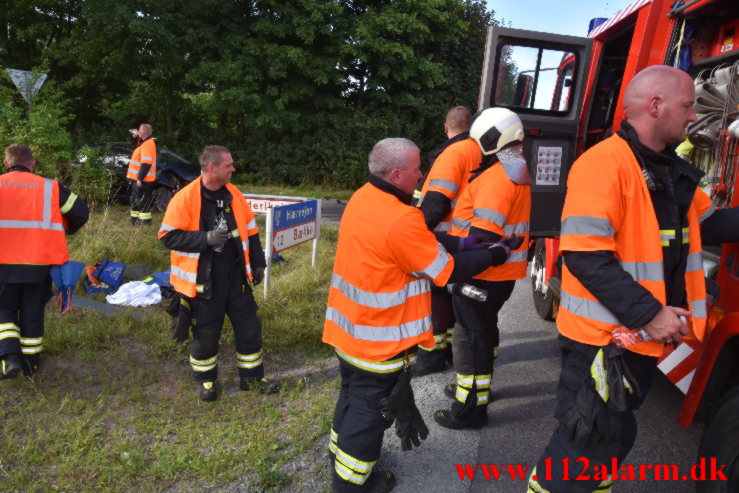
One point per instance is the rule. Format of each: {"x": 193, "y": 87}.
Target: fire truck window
{"x": 534, "y": 78}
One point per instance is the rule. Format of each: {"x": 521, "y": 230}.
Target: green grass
{"x": 113, "y": 407}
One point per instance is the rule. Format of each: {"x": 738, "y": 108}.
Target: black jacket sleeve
{"x": 451, "y": 243}
{"x": 600, "y": 273}
{"x": 470, "y": 263}
{"x": 721, "y": 227}
{"x": 256, "y": 253}
{"x": 143, "y": 171}
{"x": 187, "y": 241}
{"x": 77, "y": 213}
{"x": 435, "y": 207}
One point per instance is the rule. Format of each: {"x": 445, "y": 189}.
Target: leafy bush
{"x": 89, "y": 177}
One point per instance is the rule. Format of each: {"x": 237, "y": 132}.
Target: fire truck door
{"x": 542, "y": 78}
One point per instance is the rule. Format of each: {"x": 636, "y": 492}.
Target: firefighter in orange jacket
{"x": 451, "y": 165}
{"x": 632, "y": 229}
{"x": 379, "y": 310}
{"x": 35, "y": 214}
{"x": 142, "y": 171}
{"x": 216, "y": 256}
{"x": 495, "y": 205}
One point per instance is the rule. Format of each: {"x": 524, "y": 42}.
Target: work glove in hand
{"x": 507, "y": 244}
{"x": 179, "y": 309}
{"x": 621, "y": 383}
{"x": 216, "y": 237}
{"x": 401, "y": 406}
{"x": 257, "y": 275}
{"x": 588, "y": 421}
{"x": 471, "y": 242}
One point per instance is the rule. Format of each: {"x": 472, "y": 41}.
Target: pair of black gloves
{"x": 400, "y": 406}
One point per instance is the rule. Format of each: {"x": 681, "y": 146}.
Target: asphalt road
{"x": 521, "y": 419}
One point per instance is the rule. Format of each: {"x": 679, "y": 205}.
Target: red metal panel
{"x": 727, "y": 329}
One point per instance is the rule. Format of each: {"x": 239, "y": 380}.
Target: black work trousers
{"x": 358, "y": 425}
{"x": 230, "y": 296}
{"x": 476, "y": 341}
{"x": 560, "y": 452}
{"x": 442, "y": 318}
{"x": 22, "y": 319}
{"x": 142, "y": 199}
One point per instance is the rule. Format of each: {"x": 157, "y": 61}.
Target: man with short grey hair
{"x": 379, "y": 311}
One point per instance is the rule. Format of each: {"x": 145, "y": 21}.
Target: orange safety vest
{"x": 146, "y": 153}
{"x": 379, "y": 301}
{"x": 494, "y": 203}
{"x": 450, "y": 173}
{"x": 608, "y": 208}
{"x": 31, "y": 222}
{"x": 183, "y": 213}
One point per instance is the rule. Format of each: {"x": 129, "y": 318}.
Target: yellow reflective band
{"x": 135, "y": 214}
{"x": 604, "y": 487}
{"x": 144, "y": 215}
{"x": 483, "y": 398}
{"x": 31, "y": 341}
{"x": 334, "y": 435}
{"x": 69, "y": 203}
{"x": 348, "y": 475}
{"x": 32, "y": 349}
{"x": 235, "y": 233}
{"x": 449, "y": 333}
{"x": 355, "y": 464}
{"x": 465, "y": 380}
{"x": 199, "y": 288}
{"x": 461, "y": 394}
{"x": 534, "y": 486}
{"x": 10, "y": 333}
{"x": 388, "y": 366}
{"x": 598, "y": 373}
{"x": 9, "y": 326}
{"x": 483, "y": 381}
{"x": 249, "y": 357}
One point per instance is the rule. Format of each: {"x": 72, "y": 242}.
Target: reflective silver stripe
{"x": 454, "y": 203}
{"x": 48, "y": 185}
{"x": 69, "y": 203}
{"x": 387, "y": 366}
{"x": 205, "y": 364}
{"x": 251, "y": 224}
{"x": 185, "y": 276}
{"x": 245, "y": 246}
{"x": 372, "y": 333}
{"x": 587, "y": 308}
{"x": 494, "y": 217}
{"x": 165, "y": 227}
{"x": 187, "y": 254}
{"x": 521, "y": 256}
{"x": 707, "y": 214}
{"x": 516, "y": 229}
{"x": 437, "y": 266}
{"x": 32, "y": 225}
{"x": 31, "y": 341}
{"x": 695, "y": 262}
{"x": 380, "y": 300}
{"x": 443, "y": 226}
{"x": 586, "y": 225}
{"x": 483, "y": 381}
{"x": 150, "y": 158}
{"x": 31, "y": 349}
{"x": 235, "y": 233}
{"x": 698, "y": 307}
{"x": 447, "y": 185}
{"x": 249, "y": 357}
{"x": 133, "y": 161}
{"x": 465, "y": 380}
{"x": 598, "y": 373}
{"x": 645, "y": 271}
{"x": 6, "y": 334}
{"x": 461, "y": 223}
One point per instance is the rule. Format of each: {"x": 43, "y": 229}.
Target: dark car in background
{"x": 173, "y": 171}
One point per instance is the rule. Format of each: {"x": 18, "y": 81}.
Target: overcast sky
{"x": 555, "y": 16}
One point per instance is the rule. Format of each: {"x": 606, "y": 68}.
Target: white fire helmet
{"x": 495, "y": 129}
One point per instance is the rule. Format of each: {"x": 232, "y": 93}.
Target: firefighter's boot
{"x": 10, "y": 366}
{"x": 208, "y": 391}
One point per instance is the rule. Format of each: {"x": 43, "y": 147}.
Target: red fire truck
{"x": 569, "y": 91}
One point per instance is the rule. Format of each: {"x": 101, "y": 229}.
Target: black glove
{"x": 621, "y": 383}
{"x": 216, "y": 237}
{"x": 401, "y": 406}
{"x": 179, "y": 309}
{"x": 257, "y": 275}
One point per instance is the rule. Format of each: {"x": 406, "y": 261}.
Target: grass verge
{"x": 113, "y": 407}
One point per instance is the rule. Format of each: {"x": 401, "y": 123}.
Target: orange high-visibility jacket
{"x": 31, "y": 223}
{"x": 494, "y": 203}
{"x": 146, "y": 153}
{"x": 450, "y": 173}
{"x": 608, "y": 208}
{"x": 379, "y": 301}
{"x": 183, "y": 213}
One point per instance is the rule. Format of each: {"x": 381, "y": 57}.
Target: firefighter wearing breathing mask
{"x": 495, "y": 204}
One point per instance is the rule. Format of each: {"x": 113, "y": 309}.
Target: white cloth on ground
{"x": 135, "y": 293}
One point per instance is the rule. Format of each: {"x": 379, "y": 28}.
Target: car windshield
{"x": 172, "y": 156}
